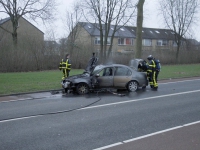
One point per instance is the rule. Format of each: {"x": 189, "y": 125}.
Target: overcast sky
{"x": 152, "y": 19}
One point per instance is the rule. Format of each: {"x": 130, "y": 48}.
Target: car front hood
{"x": 77, "y": 76}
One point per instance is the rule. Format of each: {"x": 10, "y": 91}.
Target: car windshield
{"x": 96, "y": 69}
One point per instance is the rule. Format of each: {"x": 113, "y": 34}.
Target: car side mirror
{"x": 97, "y": 75}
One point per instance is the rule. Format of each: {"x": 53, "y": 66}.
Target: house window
{"x": 159, "y": 42}
{"x": 120, "y": 41}
{"x": 108, "y": 41}
{"x": 162, "y": 42}
{"x": 175, "y": 44}
{"x": 165, "y": 42}
{"x": 97, "y": 40}
{"x": 125, "y": 41}
{"x": 146, "y": 42}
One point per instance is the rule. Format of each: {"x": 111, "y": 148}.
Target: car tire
{"x": 82, "y": 88}
{"x": 66, "y": 90}
{"x": 132, "y": 86}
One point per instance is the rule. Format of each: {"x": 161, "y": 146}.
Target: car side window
{"x": 106, "y": 72}
{"x": 101, "y": 73}
{"x": 122, "y": 71}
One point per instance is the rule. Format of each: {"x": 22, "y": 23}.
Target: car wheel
{"x": 82, "y": 88}
{"x": 66, "y": 90}
{"x": 132, "y": 86}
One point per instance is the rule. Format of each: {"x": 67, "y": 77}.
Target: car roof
{"x": 114, "y": 65}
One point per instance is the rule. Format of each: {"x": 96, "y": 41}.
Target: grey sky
{"x": 152, "y": 19}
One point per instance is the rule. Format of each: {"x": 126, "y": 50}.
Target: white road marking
{"x": 155, "y": 133}
{"x": 148, "y": 135}
{"x": 129, "y": 101}
{"x": 112, "y": 145}
{"x": 141, "y": 99}
{"x": 21, "y": 118}
{"x": 178, "y": 81}
{"x": 191, "y": 123}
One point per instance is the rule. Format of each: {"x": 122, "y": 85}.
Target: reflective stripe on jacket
{"x": 151, "y": 66}
{"x": 65, "y": 64}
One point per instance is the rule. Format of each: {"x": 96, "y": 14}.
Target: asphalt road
{"x": 93, "y": 121}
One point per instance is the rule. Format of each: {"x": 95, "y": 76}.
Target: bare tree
{"x": 107, "y": 13}
{"x": 63, "y": 46}
{"x": 32, "y": 9}
{"x": 179, "y": 16}
{"x": 139, "y": 28}
{"x": 71, "y": 22}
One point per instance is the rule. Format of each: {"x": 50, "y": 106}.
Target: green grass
{"x": 31, "y": 81}
{"x": 179, "y": 71}
{"x": 11, "y": 83}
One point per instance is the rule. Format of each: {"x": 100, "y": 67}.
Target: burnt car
{"x": 115, "y": 76}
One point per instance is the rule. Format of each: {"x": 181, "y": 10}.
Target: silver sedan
{"x": 115, "y": 76}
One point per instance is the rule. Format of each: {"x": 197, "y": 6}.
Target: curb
{"x": 16, "y": 94}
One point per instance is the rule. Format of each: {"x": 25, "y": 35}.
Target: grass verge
{"x": 11, "y": 83}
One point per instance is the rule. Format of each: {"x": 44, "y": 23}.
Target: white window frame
{"x": 175, "y": 44}
{"x": 147, "y": 42}
{"x": 97, "y": 40}
{"x": 122, "y": 41}
{"x": 165, "y": 43}
{"x": 162, "y": 42}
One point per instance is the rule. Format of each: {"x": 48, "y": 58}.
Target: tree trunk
{"x": 14, "y": 36}
{"x": 139, "y": 28}
{"x": 177, "y": 52}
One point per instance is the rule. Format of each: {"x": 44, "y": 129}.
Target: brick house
{"x": 25, "y": 32}
{"x": 124, "y": 38}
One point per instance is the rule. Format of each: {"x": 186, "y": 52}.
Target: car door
{"x": 105, "y": 78}
{"x": 122, "y": 76}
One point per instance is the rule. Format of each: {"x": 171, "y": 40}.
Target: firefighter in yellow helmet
{"x": 151, "y": 72}
{"x": 65, "y": 66}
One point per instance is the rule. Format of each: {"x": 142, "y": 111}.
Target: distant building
{"x": 192, "y": 44}
{"x": 124, "y": 38}
{"x": 26, "y": 31}
{"x": 51, "y": 48}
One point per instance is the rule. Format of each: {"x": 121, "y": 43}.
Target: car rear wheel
{"x": 132, "y": 86}
{"x": 82, "y": 88}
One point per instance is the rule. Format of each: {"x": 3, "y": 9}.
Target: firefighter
{"x": 158, "y": 68}
{"x": 65, "y": 66}
{"x": 151, "y": 72}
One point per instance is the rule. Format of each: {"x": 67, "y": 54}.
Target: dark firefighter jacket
{"x": 65, "y": 64}
{"x": 151, "y": 66}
